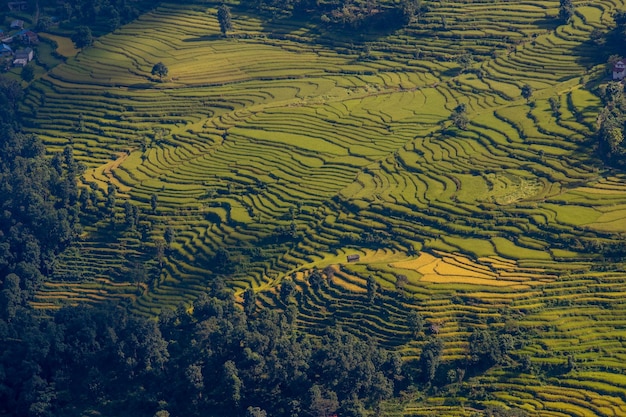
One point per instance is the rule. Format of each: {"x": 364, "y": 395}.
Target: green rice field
{"x": 292, "y": 148}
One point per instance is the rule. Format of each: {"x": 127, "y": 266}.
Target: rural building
{"x": 5, "y": 50}
{"x": 17, "y": 6}
{"x": 619, "y": 69}
{"x": 17, "y": 24}
{"x": 29, "y": 37}
{"x": 23, "y": 57}
{"x": 353, "y": 258}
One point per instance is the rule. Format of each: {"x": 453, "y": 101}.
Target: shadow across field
{"x": 205, "y": 38}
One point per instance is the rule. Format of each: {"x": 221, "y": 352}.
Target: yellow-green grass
{"x": 64, "y": 45}
{"x": 263, "y": 131}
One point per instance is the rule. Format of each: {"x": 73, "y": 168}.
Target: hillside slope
{"x": 277, "y": 151}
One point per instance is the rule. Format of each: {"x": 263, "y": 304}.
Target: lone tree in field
{"x": 566, "y": 10}
{"x": 160, "y": 69}
{"x": 459, "y": 117}
{"x": 224, "y": 18}
{"x": 527, "y": 91}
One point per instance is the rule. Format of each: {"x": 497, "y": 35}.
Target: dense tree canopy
{"x": 211, "y": 361}
{"x": 82, "y": 37}
{"x": 101, "y": 15}
{"x": 39, "y": 211}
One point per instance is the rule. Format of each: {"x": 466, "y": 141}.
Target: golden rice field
{"x": 291, "y": 148}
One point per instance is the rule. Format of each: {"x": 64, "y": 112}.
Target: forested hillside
{"x": 396, "y": 208}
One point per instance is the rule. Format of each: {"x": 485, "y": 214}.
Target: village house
{"x": 353, "y": 258}
{"x": 23, "y": 57}
{"x": 29, "y": 37}
{"x": 17, "y": 24}
{"x": 619, "y": 69}
{"x": 17, "y": 6}
{"x": 5, "y": 37}
{"x": 5, "y": 50}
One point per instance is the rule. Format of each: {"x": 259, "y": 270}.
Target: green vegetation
{"x": 215, "y": 360}
{"x": 224, "y": 18}
{"x": 456, "y": 157}
{"x": 159, "y": 69}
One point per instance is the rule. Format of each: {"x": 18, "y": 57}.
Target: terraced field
{"x": 291, "y": 149}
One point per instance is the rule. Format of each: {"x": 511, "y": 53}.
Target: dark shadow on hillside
{"x": 450, "y": 72}
{"x": 547, "y": 23}
{"x": 597, "y": 51}
{"x": 141, "y": 86}
{"x": 290, "y": 26}
{"x": 590, "y": 54}
{"x": 203, "y": 38}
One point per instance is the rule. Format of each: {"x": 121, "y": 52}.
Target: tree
{"x": 111, "y": 197}
{"x": 232, "y": 383}
{"x": 429, "y": 359}
{"x": 465, "y": 61}
{"x": 372, "y": 288}
{"x": 415, "y": 323}
{"x": 487, "y": 349}
{"x": 255, "y": 412}
{"x": 224, "y": 19}
{"x": 323, "y": 403}
{"x": 159, "y": 249}
{"x": 249, "y": 301}
{"x": 10, "y": 297}
{"x": 160, "y": 69}
{"x": 28, "y": 73}
{"x": 154, "y": 201}
{"x": 222, "y": 261}
{"x": 459, "y": 117}
{"x": 287, "y": 288}
{"x": 555, "y": 105}
{"x": 613, "y": 92}
{"x": 412, "y": 9}
{"x": 401, "y": 282}
{"x": 131, "y": 215}
{"x": 138, "y": 275}
{"x": 527, "y": 91}
{"x": 82, "y": 37}
{"x": 44, "y": 23}
{"x": 169, "y": 236}
{"x": 316, "y": 279}
{"x": 566, "y": 10}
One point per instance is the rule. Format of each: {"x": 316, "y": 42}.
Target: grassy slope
{"x": 268, "y": 128}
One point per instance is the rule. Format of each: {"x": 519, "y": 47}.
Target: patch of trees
{"x": 347, "y": 14}
{"x": 612, "y": 120}
{"x": 216, "y": 360}
{"x": 566, "y": 10}
{"x": 101, "y": 16}
{"x": 82, "y": 37}
{"x": 39, "y": 204}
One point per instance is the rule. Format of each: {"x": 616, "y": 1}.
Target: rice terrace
{"x": 455, "y": 156}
